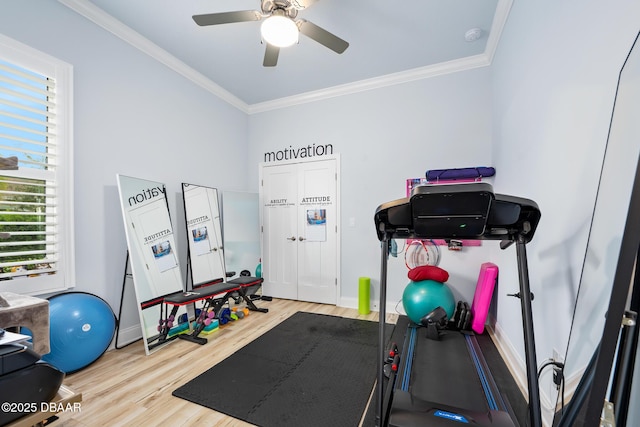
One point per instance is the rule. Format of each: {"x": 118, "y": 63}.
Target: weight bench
{"x": 248, "y": 286}
{"x": 215, "y": 296}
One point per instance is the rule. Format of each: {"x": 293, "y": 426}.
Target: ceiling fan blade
{"x": 302, "y": 4}
{"x": 323, "y": 36}
{"x": 271, "y": 55}
{"x": 227, "y": 17}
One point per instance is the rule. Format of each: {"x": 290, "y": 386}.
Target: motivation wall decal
{"x": 291, "y": 153}
{"x": 145, "y": 195}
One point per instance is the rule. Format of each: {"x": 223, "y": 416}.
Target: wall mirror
{"x": 241, "y": 231}
{"x": 607, "y": 231}
{"x": 204, "y": 234}
{"x": 152, "y": 251}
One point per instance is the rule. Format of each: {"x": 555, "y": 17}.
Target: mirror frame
{"x": 625, "y": 271}
{"x": 210, "y": 250}
{"x": 241, "y": 231}
{"x": 137, "y": 193}
{"x": 591, "y": 393}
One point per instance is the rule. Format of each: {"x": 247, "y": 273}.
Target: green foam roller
{"x": 364, "y": 295}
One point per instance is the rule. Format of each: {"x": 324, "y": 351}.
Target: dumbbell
{"x": 168, "y": 323}
{"x": 240, "y": 312}
{"x": 209, "y": 318}
{"x": 225, "y": 316}
{"x": 183, "y": 318}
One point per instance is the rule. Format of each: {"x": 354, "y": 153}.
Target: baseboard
{"x": 347, "y": 302}
{"x": 518, "y": 370}
{"x": 393, "y": 307}
{"x": 127, "y": 336}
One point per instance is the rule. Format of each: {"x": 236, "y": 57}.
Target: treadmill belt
{"x": 444, "y": 373}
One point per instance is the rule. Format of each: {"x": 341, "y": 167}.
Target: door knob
{"x": 301, "y": 238}
{"x": 293, "y": 239}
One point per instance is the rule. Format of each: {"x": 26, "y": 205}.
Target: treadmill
{"x": 445, "y": 382}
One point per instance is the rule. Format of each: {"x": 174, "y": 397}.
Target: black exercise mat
{"x": 311, "y": 370}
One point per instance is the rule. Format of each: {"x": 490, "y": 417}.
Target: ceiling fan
{"x": 279, "y": 29}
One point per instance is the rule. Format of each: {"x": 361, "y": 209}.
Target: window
{"x": 36, "y": 177}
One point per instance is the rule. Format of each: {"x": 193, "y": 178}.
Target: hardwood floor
{"x": 127, "y": 388}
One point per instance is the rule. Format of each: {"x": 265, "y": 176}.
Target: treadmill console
{"x": 457, "y": 211}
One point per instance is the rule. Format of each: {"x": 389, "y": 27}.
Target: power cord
{"x": 558, "y": 377}
{"x": 558, "y": 372}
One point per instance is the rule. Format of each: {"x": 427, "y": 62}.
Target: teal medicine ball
{"x": 420, "y": 298}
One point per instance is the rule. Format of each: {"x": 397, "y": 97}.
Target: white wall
{"x": 554, "y": 81}
{"x": 132, "y": 116}
{"x": 385, "y": 136}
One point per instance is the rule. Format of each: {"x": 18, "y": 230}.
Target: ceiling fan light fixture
{"x": 279, "y": 31}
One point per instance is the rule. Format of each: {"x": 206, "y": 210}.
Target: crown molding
{"x": 374, "y": 83}
{"x": 109, "y": 23}
{"x": 499, "y": 21}
{"x": 482, "y": 60}
{"x": 135, "y": 39}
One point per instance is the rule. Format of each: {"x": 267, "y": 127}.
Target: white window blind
{"x": 36, "y": 227}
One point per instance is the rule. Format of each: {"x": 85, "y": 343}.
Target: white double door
{"x": 300, "y": 235}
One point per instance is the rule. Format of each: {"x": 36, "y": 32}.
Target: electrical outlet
{"x": 558, "y": 370}
{"x": 557, "y": 357}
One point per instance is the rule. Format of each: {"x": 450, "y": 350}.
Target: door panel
{"x": 317, "y": 227}
{"x": 279, "y": 259}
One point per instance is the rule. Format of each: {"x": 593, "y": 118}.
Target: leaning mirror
{"x": 204, "y": 234}
{"x": 152, "y": 252}
{"x": 607, "y": 225}
{"x": 241, "y": 231}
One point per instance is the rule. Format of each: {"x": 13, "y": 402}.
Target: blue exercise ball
{"x": 420, "y": 298}
{"x": 82, "y": 326}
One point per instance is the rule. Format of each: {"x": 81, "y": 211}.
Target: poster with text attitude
{"x": 164, "y": 256}
{"x": 201, "y": 244}
{"x": 316, "y": 225}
